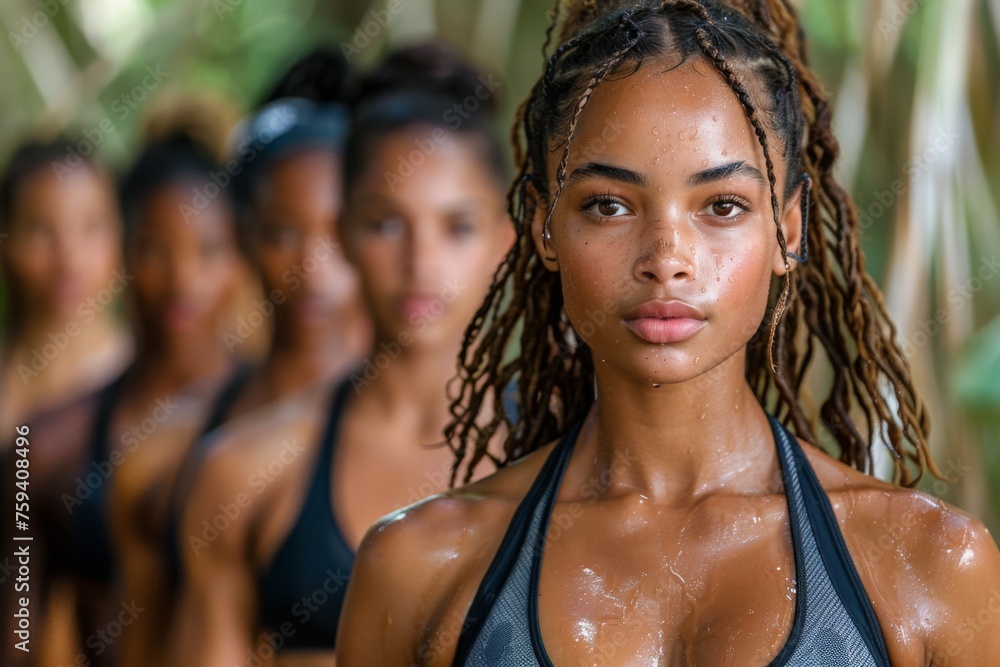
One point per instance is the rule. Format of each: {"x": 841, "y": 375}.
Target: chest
{"x": 376, "y": 472}
{"x": 714, "y": 586}
{"x": 146, "y": 450}
{"x": 641, "y": 601}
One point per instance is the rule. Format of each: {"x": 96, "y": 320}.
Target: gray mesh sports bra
{"x": 835, "y": 625}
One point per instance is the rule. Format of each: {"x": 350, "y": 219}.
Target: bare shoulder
{"x": 930, "y": 568}
{"x": 60, "y": 441}
{"x": 452, "y": 521}
{"x": 419, "y": 567}
{"x": 250, "y": 460}
{"x": 277, "y": 434}
{"x": 902, "y": 515}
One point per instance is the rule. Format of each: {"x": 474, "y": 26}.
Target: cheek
{"x": 221, "y": 272}
{"x": 149, "y": 285}
{"x": 379, "y": 258}
{"x": 741, "y": 282}
{"x": 33, "y": 260}
{"x": 101, "y": 263}
{"x": 274, "y": 265}
{"x": 469, "y": 270}
{"x": 592, "y": 273}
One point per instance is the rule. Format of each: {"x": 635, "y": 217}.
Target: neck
{"x": 413, "y": 384}
{"x": 74, "y": 341}
{"x": 296, "y": 360}
{"x": 172, "y": 363}
{"x": 676, "y": 443}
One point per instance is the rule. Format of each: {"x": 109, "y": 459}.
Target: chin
{"x": 665, "y": 367}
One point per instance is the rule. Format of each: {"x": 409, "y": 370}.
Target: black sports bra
{"x": 835, "y": 624}
{"x": 93, "y": 557}
{"x": 89, "y": 534}
{"x": 191, "y": 463}
{"x": 301, "y": 591}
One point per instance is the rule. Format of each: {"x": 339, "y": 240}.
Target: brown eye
{"x": 723, "y": 209}
{"x": 726, "y": 208}
{"x": 608, "y": 208}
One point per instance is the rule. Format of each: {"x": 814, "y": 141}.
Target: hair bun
{"x": 201, "y": 122}
{"x": 323, "y": 75}
{"x": 432, "y": 68}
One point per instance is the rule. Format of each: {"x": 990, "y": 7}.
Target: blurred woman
{"x": 288, "y": 182}
{"x": 285, "y": 496}
{"x": 182, "y": 260}
{"x": 60, "y": 252}
{"x": 60, "y": 255}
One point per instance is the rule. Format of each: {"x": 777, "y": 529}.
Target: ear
{"x": 539, "y": 211}
{"x": 793, "y": 223}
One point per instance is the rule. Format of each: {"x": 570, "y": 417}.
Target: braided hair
{"x": 829, "y": 304}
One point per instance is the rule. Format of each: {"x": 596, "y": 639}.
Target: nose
{"x": 665, "y": 253}
{"x": 183, "y": 275}
{"x": 423, "y": 251}
{"x": 324, "y": 268}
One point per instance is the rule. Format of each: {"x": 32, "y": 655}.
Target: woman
{"x": 284, "y": 498}
{"x": 310, "y": 304}
{"x": 93, "y": 460}
{"x": 666, "y": 517}
{"x": 61, "y": 252}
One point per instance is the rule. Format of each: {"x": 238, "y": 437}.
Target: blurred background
{"x": 917, "y": 91}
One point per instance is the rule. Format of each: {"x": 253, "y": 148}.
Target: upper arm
{"x": 404, "y": 578}
{"x": 378, "y": 612}
{"x": 217, "y": 613}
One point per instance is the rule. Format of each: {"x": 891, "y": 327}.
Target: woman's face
{"x": 427, "y": 230}
{"x": 298, "y": 250}
{"x": 664, "y": 235}
{"x": 184, "y": 261}
{"x": 65, "y": 240}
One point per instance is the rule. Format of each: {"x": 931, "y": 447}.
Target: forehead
{"x": 428, "y": 168}
{"x": 183, "y": 208}
{"x": 81, "y": 180}
{"x": 313, "y": 172}
{"x": 683, "y": 117}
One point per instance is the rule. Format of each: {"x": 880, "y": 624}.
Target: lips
{"x": 420, "y": 306}
{"x": 313, "y": 309}
{"x": 181, "y": 315}
{"x": 663, "y": 322}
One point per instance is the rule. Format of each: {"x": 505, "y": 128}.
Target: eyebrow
{"x": 725, "y": 171}
{"x": 598, "y": 170}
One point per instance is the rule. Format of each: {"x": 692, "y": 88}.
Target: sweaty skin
{"x": 62, "y": 263}
{"x": 673, "y": 545}
{"x": 425, "y": 250}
